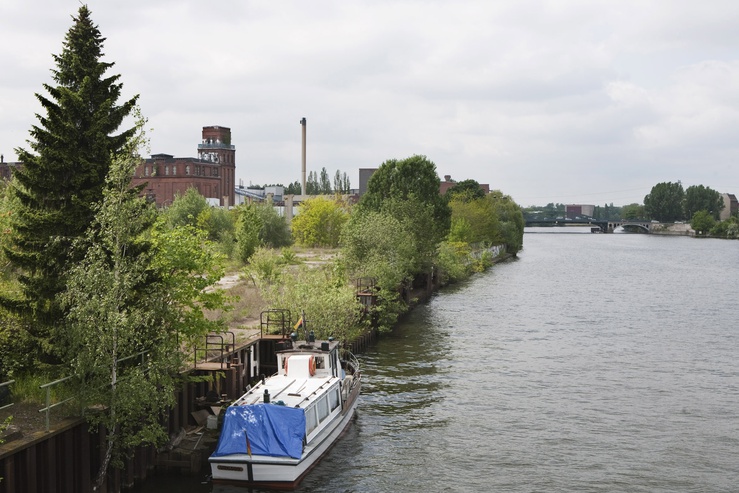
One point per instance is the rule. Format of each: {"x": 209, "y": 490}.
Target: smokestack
{"x": 302, "y": 189}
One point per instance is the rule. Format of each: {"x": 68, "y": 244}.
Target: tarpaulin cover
{"x": 268, "y": 429}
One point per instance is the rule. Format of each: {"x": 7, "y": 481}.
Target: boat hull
{"x": 283, "y": 472}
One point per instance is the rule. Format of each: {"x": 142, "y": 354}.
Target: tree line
{"x": 95, "y": 274}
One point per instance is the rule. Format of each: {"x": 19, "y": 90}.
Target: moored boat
{"x": 280, "y": 428}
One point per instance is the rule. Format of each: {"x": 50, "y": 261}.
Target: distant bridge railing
{"x": 604, "y": 225}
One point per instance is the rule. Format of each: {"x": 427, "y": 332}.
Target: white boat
{"x": 278, "y": 430}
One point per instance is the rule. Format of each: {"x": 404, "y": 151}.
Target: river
{"x": 591, "y": 363}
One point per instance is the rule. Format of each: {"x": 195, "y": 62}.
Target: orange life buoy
{"x": 312, "y": 366}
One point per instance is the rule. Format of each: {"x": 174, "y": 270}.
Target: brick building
{"x": 212, "y": 173}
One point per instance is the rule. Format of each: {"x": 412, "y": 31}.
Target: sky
{"x": 590, "y": 102}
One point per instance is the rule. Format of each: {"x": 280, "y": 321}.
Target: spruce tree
{"x": 63, "y": 173}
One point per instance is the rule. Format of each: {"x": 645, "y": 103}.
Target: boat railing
{"x": 350, "y": 362}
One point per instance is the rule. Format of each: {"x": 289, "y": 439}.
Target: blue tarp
{"x": 270, "y": 429}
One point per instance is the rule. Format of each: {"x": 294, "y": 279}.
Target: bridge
{"x": 603, "y": 226}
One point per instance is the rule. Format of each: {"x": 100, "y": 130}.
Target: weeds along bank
{"x": 317, "y": 283}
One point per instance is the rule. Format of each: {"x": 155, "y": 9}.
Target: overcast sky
{"x": 587, "y": 101}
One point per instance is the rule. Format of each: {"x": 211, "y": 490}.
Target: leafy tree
{"x": 312, "y": 187}
{"x": 275, "y": 232}
{"x": 465, "y": 191}
{"x": 248, "y": 226}
{"x": 728, "y": 228}
{"x": 293, "y": 188}
{"x": 376, "y": 244}
{"x": 134, "y": 301}
{"x": 702, "y": 222}
{"x": 62, "y": 177}
{"x": 319, "y": 222}
{"x": 186, "y": 208}
{"x": 510, "y": 218}
{"x": 633, "y": 211}
{"x": 325, "y": 184}
{"x": 218, "y": 223}
{"x": 412, "y": 179}
{"x": 700, "y": 198}
{"x": 483, "y": 223}
{"x": 341, "y": 183}
{"x": 665, "y": 202}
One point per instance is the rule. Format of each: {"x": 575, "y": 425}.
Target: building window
{"x": 166, "y": 170}
{"x": 146, "y": 171}
{"x": 187, "y": 169}
{"x": 174, "y": 170}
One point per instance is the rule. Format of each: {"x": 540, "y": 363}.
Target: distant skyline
{"x": 590, "y": 102}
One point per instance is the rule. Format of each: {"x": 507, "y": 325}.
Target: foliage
{"x": 275, "y": 232}
{"x": 454, "y": 261}
{"x": 608, "y": 212}
{"x": 702, "y": 222}
{"x": 510, "y": 220}
{"x": 700, "y": 198}
{"x": 62, "y": 177}
{"x": 322, "y": 293}
{"x": 265, "y": 266}
{"x": 248, "y": 226}
{"x": 665, "y": 202}
{"x": 728, "y": 228}
{"x": 134, "y": 301}
{"x": 186, "y": 208}
{"x": 633, "y": 211}
{"x": 342, "y": 186}
{"x": 465, "y": 191}
{"x": 474, "y": 221}
{"x": 377, "y": 245}
{"x": 319, "y": 222}
{"x": 17, "y": 347}
{"x": 293, "y": 188}
{"x": 410, "y": 179}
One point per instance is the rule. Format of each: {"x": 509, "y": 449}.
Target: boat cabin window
{"x": 310, "y": 420}
{"x": 322, "y": 406}
{"x": 320, "y": 363}
{"x": 334, "y": 398}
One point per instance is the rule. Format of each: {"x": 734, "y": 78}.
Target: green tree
{"x": 700, "y": 198}
{"x": 186, "y": 208}
{"x": 63, "y": 175}
{"x": 510, "y": 220}
{"x": 478, "y": 214}
{"x": 702, "y": 222}
{"x": 275, "y": 231}
{"x": 341, "y": 183}
{"x": 410, "y": 179}
{"x": 293, "y": 188}
{"x": 375, "y": 244}
{"x": 665, "y": 202}
{"x": 248, "y": 226}
{"x": 465, "y": 191}
{"x": 633, "y": 211}
{"x": 325, "y": 183}
{"x": 319, "y": 222}
{"x": 134, "y": 301}
{"x": 312, "y": 187}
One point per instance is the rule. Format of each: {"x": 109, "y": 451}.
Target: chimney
{"x": 302, "y": 189}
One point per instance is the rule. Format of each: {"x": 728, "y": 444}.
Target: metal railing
{"x": 49, "y": 405}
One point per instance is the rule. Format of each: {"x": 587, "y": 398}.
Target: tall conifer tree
{"x": 63, "y": 174}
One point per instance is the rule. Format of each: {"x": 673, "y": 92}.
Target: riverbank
{"x": 676, "y": 229}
